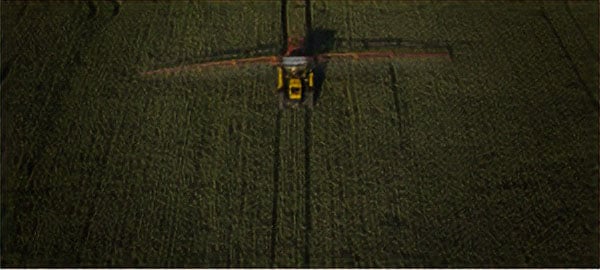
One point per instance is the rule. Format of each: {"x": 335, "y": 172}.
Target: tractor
{"x": 295, "y": 76}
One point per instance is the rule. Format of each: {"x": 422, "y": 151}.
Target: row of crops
{"x": 107, "y": 168}
{"x": 488, "y": 159}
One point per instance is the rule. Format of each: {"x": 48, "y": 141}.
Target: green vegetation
{"x": 490, "y": 159}
{"x": 103, "y": 167}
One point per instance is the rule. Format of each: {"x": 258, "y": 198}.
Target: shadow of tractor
{"x": 319, "y": 41}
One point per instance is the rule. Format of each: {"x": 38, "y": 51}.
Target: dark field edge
{"x": 565, "y": 52}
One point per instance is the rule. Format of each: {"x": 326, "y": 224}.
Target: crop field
{"x": 487, "y": 158}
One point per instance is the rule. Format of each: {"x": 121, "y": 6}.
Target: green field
{"x": 490, "y": 159}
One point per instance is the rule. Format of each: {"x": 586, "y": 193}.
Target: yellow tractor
{"x": 295, "y": 81}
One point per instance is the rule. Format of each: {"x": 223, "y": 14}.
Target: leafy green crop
{"x": 490, "y": 159}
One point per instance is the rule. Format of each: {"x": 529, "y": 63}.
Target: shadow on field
{"x": 93, "y": 8}
{"x": 116, "y": 7}
{"x": 320, "y": 41}
{"x": 6, "y": 69}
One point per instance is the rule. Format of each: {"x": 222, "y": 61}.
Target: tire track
{"x": 397, "y": 103}
{"x": 574, "y": 21}
{"x": 276, "y": 167}
{"x": 306, "y": 230}
{"x": 284, "y": 26}
{"x": 277, "y": 143}
{"x": 294, "y": 192}
{"x": 582, "y": 84}
{"x": 353, "y": 115}
{"x": 307, "y": 189}
{"x": 308, "y": 22}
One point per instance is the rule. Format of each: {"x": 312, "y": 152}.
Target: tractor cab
{"x": 295, "y": 89}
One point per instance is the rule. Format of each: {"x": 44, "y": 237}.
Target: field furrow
{"x": 290, "y": 215}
